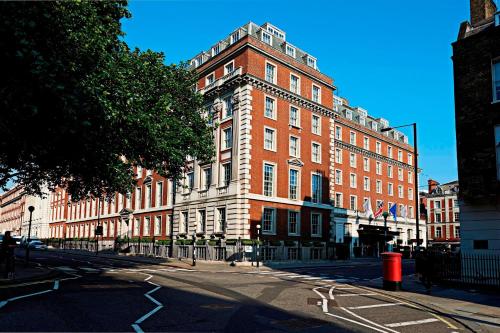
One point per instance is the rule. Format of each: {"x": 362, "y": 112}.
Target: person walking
{"x": 7, "y": 253}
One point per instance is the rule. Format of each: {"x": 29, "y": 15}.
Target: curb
{"x": 49, "y": 275}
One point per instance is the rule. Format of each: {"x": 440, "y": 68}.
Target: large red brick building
{"x": 277, "y": 156}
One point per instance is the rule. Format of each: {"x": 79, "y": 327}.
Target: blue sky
{"x": 390, "y": 57}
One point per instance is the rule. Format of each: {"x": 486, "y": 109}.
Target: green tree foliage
{"x": 79, "y": 109}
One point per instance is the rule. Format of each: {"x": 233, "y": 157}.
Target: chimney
{"x": 481, "y": 10}
{"x": 432, "y": 184}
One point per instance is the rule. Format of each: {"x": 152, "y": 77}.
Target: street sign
{"x": 98, "y": 230}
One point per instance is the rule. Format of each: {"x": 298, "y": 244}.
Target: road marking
{"x": 351, "y": 295}
{"x": 65, "y": 269}
{"x": 312, "y": 278}
{"x": 89, "y": 269}
{"x": 346, "y": 288}
{"x": 373, "y": 306}
{"x": 159, "y": 306}
{"x": 56, "y": 284}
{"x": 368, "y": 321}
{"x": 413, "y": 322}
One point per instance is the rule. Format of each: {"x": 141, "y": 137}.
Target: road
{"x": 100, "y": 294}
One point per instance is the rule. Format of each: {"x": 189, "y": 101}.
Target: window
{"x": 400, "y": 156}
{"x": 316, "y": 124}
{"x": 410, "y": 177}
{"x": 294, "y": 148}
{"x": 146, "y": 231}
{"x": 138, "y": 198}
{"x": 362, "y": 120}
{"x": 438, "y": 232}
{"x": 269, "y": 139}
{"x": 221, "y": 219}
{"x": 352, "y": 180}
{"x": 295, "y": 84}
{"x": 207, "y": 178}
{"x": 338, "y": 200}
{"x": 366, "y": 164}
{"x": 270, "y": 73}
{"x": 268, "y": 180}
{"x": 293, "y": 184}
{"x": 185, "y": 222}
{"x": 455, "y": 203}
{"x": 316, "y": 152}
{"x": 400, "y": 192}
{"x": 338, "y": 133}
{"x": 352, "y": 138}
{"x": 190, "y": 180}
{"x": 410, "y": 210}
{"x": 410, "y": 194}
{"x": 148, "y": 196}
{"x": 228, "y": 107}
{"x": 437, "y": 217}
{"x": 316, "y": 94}
{"x": 266, "y": 38}
{"x": 437, "y": 204}
{"x": 348, "y": 114}
{"x": 315, "y": 224}
{"x": 293, "y": 222}
{"x": 378, "y": 168}
{"x": 366, "y": 183}
{"x": 270, "y": 110}
{"x": 202, "y": 221}
{"x": 400, "y": 174}
{"x": 389, "y": 151}
{"x": 338, "y": 177}
{"x": 378, "y": 147}
{"x": 353, "y": 202}
{"x": 338, "y": 155}
{"x": 378, "y": 187}
{"x": 290, "y": 50}
{"x": 457, "y": 216}
{"x": 457, "y": 232}
{"x": 389, "y": 171}
{"x": 352, "y": 160}
{"x": 268, "y": 220}
{"x": 410, "y": 159}
{"x": 215, "y": 50}
{"x": 209, "y": 79}
{"x": 128, "y": 202}
{"x": 390, "y": 189}
{"x": 235, "y": 37}
{"x": 139, "y": 171}
{"x": 496, "y": 80}
{"x": 229, "y": 67}
{"x": 226, "y": 173}
{"x": 294, "y": 116}
{"x": 311, "y": 62}
{"x": 137, "y": 227}
{"x": 157, "y": 226}
{"x": 316, "y": 187}
{"x": 366, "y": 143}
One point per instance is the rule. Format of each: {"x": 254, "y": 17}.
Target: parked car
{"x": 17, "y": 239}
{"x": 37, "y": 245}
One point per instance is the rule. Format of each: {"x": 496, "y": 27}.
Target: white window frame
{"x": 339, "y": 198}
{"x": 410, "y": 159}
{"x": 389, "y": 151}
{"x": 318, "y": 131}
{"x": 400, "y": 174}
{"x": 223, "y": 221}
{"x": 378, "y": 168}
{"x": 378, "y": 186}
{"x": 225, "y": 182}
{"x": 146, "y": 229}
{"x": 352, "y": 138}
{"x": 297, "y": 148}
{"x": 297, "y": 125}
{"x": 351, "y": 180}
{"x": 366, "y": 183}
{"x": 410, "y": 177}
{"x": 338, "y": 133}
{"x": 366, "y": 164}
{"x": 338, "y": 155}
{"x": 227, "y": 64}
{"x": 390, "y": 171}
{"x": 268, "y": 34}
{"x": 338, "y": 177}
{"x": 378, "y": 147}
{"x": 207, "y": 80}
{"x": 225, "y": 115}
{"x": 390, "y": 189}
{"x": 225, "y": 144}
{"x": 353, "y": 160}
{"x": 158, "y": 194}
{"x": 319, "y": 93}
{"x": 401, "y": 194}
{"x": 313, "y": 143}
{"x": 275, "y": 73}
{"x": 273, "y": 221}
{"x": 201, "y": 227}
{"x": 297, "y": 91}
{"x": 273, "y": 137}
{"x": 298, "y": 190}
{"x": 184, "y": 222}
{"x": 366, "y": 143}
{"x": 355, "y": 197}
{"x": 274, "y": 107}
{"x": 293, "y": 52}
{"x": 157, "y": 230}
{"x": 274, "y": 180}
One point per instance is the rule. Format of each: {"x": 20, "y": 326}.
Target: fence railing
{"x": 473, "y": 269}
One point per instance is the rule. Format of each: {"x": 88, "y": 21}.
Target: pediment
{"x": 296, "y": 162}
{"x": 126, "y": 211}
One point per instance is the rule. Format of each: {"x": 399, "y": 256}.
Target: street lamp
{"x": 31, "y": 209}
{"x": 385, "y": 215}
{"x": 415, "y": 176}
{"x": 258, "y": 244}
{"x": 194, "y": 248}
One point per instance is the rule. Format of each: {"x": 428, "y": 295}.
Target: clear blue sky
{"x": 390, "y": 57}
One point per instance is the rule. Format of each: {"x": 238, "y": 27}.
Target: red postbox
{"x": 392, "y": 270}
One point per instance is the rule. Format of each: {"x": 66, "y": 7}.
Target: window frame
{"x": 297, "y": 91}
{"x": 297, "y": 148}
{"x": 313, "y": 131}
{"x": 320, "y": 222}
{"x": 319, "y": 93}
{"x": 297, "y": 125}
{"x": 273, "y": 181}
{"x": 225, "y": 67}
{"x": 274, "y": 104}
{"x": 273, "y": 221}
{"x": 273, "y": 139}
{"x": 297, "y": 222}
{"x": 319, "y": 198}
{"x": 313, "y": 143}
{"x": 298, "y": 189}
{"x": 275, "y": 72}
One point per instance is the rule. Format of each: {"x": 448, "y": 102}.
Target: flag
{"x": 393, "y": 211}
{"x": 379, "y": 209}
{"x": 404, "y": 212}
{"x": 367, "y": 206}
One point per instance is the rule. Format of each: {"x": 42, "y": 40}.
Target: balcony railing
{"x": 222, "y": 80}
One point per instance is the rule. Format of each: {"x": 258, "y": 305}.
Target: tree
{"x": 79, "y": 109}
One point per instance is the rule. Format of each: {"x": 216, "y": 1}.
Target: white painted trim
{"x": 275, "y": 107}
{"x": 275, "y": 77}
{"x": 320, "y": 152}
{"x": 299, "y": 181}
{"x": 227, "y": 63}
{"x": 298, "y": 84}
{"x": 275, "y": 173}
{"x": 319, "y": 93}
{"x": 275, "y": 139}
{"x": 298, "y": 145}
{"x": 259, "y": 197}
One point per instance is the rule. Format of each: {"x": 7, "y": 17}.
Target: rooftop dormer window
{"x": 235, "y": 36}
{"x": 266, "y": 38}
{"x": 311, "y": 62}
{"x": 348, "y": 114}
{"x": 290, "y": 50}
{"x": 374, "y": 126}
{"x": 362, "y": 120}
{"x": 215, "y": 50}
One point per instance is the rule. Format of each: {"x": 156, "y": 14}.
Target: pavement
{"x": 122, "y": 293}
{"x": 25, "y": 273}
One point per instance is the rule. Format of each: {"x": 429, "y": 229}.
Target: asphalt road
{"x": 100, "y": 294}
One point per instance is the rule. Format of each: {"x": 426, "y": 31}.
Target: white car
{"x": 37, "y": 245}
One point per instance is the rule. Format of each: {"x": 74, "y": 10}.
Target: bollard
{"x": 392, "y": 271}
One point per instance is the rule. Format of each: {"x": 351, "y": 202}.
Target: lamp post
{"x": 385, "y": 215}
{"x": 258, "y": 244}
{"x": 31, "y": 209}
{"x": 415, "y": 176}
{"x": 194, "y": 248}
{"x": 98, "y": 225}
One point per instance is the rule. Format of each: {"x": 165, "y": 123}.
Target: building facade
{"x": 476, "y": 64}
{"x": 12, "y": 207}
{"x": 442, "y": 213}
{"x": 275, "y": 120}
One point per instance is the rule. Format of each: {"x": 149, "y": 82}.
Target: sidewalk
{"x": 24, "y": 273}
{"x": 479, "y": 311}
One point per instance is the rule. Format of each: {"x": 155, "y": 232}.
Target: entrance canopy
{"x": 374, "y": 233}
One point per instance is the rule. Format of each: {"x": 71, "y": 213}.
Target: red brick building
{"x": 275, "y": 162}
{"x": 12, "y": 206}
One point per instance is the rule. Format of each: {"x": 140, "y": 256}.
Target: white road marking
{"x": 56, "y": 284}
{"x": 373, "y": 306}
{"x": 89, "y": 269}
{"x": 368, "y": 321}
{"x": 312, "y": 278}
{"x": 346, "y": 288}
{"x": 413, "y": 322}
{"x": 353, "y": 295}
{"x": 135, "y": 325}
